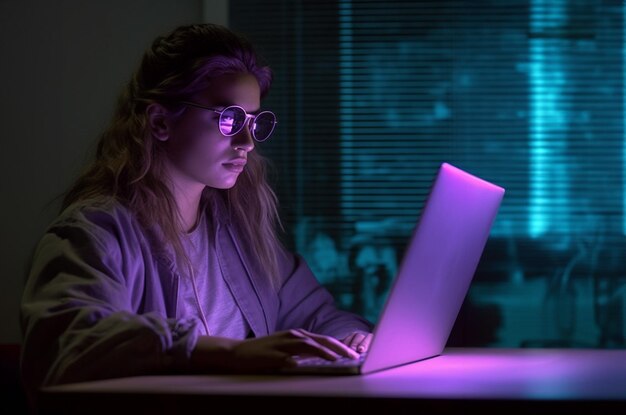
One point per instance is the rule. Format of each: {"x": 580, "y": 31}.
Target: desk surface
{"x": 541, "y": 380}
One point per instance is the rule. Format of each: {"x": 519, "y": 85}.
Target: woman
{"x": 165, "y": 257}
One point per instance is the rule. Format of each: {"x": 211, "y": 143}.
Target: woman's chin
{"x": 224, "y": 184}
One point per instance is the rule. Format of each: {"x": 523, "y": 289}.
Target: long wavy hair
{"x": 130, "y": 163}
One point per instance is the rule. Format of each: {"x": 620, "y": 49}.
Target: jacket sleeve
{"x": 305, "y": 303}
{"x": 76, "y": 314}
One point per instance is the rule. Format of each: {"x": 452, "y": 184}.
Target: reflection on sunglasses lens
{"x": 263, "y": 126}
{"x": 226, "y": 125}
{"x": 233, "y": 119}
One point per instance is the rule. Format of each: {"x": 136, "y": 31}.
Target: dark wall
{"x": 63, "y": 64}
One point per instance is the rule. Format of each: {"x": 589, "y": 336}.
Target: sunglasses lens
{"x": 264, "y": 125}
{"x": 232, "y": 120}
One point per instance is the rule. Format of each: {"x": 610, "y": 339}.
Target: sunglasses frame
{"x": 248, "y": 116}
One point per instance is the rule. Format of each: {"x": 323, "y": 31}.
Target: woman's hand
{"x": 264, "y": 353}
{"x": 359, "y": 341}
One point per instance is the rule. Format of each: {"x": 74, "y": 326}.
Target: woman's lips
{"x": 235, "y": 166}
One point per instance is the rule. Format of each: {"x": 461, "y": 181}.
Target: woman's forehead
{"x": 234, "y": 89}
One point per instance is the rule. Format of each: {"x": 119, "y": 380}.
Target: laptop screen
{"x": 436, "y": 270}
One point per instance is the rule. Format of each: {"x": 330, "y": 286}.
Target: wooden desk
{"x": 460, "y": 380}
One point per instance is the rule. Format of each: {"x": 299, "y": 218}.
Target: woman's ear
{"x": 159, "y": 122}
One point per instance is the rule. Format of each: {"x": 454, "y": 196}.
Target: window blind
{"x": 373, "y": 96}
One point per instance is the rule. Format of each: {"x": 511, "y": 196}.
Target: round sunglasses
{"x": 233, "y": 118}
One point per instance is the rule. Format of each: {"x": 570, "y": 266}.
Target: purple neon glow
{"x": 501, "y": 373}
{"x": 227, "y": 122}
{"x": 436, "y": 270}
{"x": 458, "y": 373}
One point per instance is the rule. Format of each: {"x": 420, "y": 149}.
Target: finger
{"x": 357, "y": 338}
{"x": 307, "y": 346}
{"x": 364, "y": 345}
{"x": 348, "y": 339}
{"x": 332, "y": 344}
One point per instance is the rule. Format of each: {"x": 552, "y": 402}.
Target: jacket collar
{"x": 235, "y": 269}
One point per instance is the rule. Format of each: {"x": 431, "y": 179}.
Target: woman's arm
{"x": 305, "y": 303}
{"x": 77, "y": 317}
{"x": 267, "y": 353}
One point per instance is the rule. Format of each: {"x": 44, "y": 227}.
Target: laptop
{"x": 433, "y": 278}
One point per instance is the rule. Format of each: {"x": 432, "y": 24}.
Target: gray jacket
{"x": 100, "y": 299}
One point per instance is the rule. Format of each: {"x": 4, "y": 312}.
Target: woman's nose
{"x": 243, "y": 140}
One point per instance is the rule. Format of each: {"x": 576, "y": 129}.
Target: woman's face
{"x": 198, "y": 152}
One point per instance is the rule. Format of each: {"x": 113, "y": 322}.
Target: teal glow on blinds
{"x": 299, "y": 41}
{"x": 375, "y": 95}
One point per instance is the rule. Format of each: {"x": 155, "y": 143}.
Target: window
{"x": 372, "y": 96}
